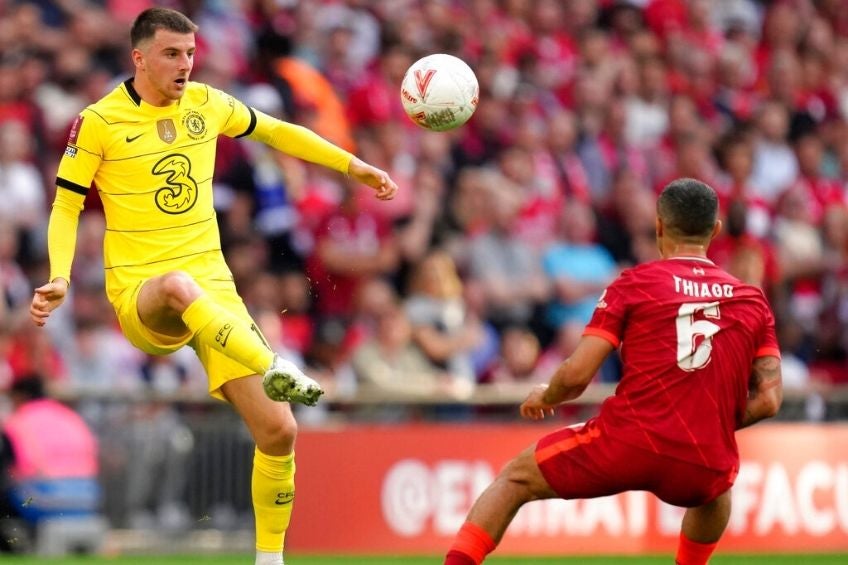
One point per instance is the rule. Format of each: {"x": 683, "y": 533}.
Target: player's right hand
{"x": 46, "y": 299}
{"x": 377, "y": 179}
{"x": 534, "y": 407}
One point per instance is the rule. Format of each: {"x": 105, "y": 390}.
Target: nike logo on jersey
{"x": 131, "y": 139}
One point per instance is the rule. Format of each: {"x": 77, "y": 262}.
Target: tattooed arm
{"x": 765, "y": 391}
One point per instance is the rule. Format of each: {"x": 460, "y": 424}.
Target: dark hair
{"x": 146, "y": 23}
{"x": 29, "y": 387}
{"x": 688, "y": 209}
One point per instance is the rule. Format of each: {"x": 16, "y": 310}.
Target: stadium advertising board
{"x": 406, "y": 489}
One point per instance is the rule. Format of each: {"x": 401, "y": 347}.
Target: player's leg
{"x": 518, "y": 483}
{"x": 174, "y": 304}
{"x": 273, "y": 428}
{"x": 702, "y": 527}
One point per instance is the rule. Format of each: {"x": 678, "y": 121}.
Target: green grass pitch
{"x": 831, "y": 559}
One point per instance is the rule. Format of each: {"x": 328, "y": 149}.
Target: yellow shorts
{"x": 219, "y": 367}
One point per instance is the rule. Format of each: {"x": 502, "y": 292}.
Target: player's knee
{"x": 277, "y": 435}
{"x": 523, "y": 480}
{"x": 180, "y": 289}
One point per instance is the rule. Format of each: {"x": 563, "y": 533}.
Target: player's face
{"x": 163, "y": 65}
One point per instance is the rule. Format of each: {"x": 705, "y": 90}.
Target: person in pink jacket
{"x": 50, "y": 458}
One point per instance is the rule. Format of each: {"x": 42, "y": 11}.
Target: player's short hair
{"x": 146, "y": 23}
{"x": 688, "y": 209}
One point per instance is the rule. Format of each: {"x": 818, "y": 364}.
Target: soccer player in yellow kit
{"x": 149, "y": 147}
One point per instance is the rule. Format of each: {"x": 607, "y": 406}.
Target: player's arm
{"x": 765, "y": 391}
{"x": 570, "y": 379}
{"x": 61, "y": 241}
{"x": 305, "y": 144}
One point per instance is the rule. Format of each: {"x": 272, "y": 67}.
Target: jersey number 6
{"x": 695, "y": 337}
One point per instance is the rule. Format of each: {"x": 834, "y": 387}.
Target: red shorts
{"x": 581, "y": 462}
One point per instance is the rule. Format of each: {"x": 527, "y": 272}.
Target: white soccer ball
{"x": 439, "y": 92}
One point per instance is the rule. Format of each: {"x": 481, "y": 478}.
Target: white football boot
{"x": 284, "y": 382}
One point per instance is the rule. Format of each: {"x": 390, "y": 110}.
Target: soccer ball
{"x": 439, "y": 92}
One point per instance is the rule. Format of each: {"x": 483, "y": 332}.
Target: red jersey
{"x": 689, "y": 333}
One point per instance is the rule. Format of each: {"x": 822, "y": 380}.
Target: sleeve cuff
{"x": 768, "y": 352}
{"x": 603, "y": 334}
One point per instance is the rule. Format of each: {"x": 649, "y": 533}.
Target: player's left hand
{"x": 534, "y": 407}
{"x": 376, "y": 178}
{"x": 46, "y": 299}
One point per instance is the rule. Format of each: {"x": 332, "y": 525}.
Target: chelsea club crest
{"x": 194, "y": 124}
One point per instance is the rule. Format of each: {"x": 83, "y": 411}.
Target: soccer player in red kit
{"x": 700, "y": 361}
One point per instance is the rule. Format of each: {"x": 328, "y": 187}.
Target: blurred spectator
{"x": 424, "y": 224}
{"x": 562, "y": 144}
{"x": 100, "y": 360}
{"x": 818, "y": 190}
{"x": 351, "y": 245}
{"x": 32, "y": 351}
{"x": 266, "y": 186}
{"x": 442, "y": 326}
{"x": 388, "y": 145}
{"x": 801, "y": 257}
{"x": 609, "y": 151}
{"x": 831, "y": 355}
{"x": 626, "y": 227}
{"x": 373, "y": 298}
{"x": 531, "y": 174}
{"x": 683, "y": 122}
{"x": 505, "y": 269}
{"x": 370, "y": 102}
{"x": 736, "y": 160}
{"x": 520, "y": 351}
{"x": 14, "y": 285}
{"x": 22, "y": 194}
{"x": 15, "y": 103}
{"x": 578, "y": 267}
{"x": 348, "y": 41}
{"x": 647, "y": 111}
{"x": 50, "y": 461}
{"x": 775, "y": 164}
{"x": 693, "y": 159}
{"x": 295, "y": 301}
{"x": 735, "y": 75}
{"x": 390, "y": 361}
{"x": 747, "y": 257}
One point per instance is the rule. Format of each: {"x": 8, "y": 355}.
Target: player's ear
{"x": 137, "y": 58}
{"x": 716, "y": 229}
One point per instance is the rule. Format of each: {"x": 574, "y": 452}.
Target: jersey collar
{"x": 128, "y": 84}
{"x": 692, "y": 258}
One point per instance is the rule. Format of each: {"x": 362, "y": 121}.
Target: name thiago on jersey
{"x": 697, "y": 289}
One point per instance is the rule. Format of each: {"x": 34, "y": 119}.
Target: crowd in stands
{"x": 505, "y": 231}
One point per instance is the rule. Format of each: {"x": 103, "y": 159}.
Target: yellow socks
{"x": 272, "y": 487}
{"x": 216, "y": 327}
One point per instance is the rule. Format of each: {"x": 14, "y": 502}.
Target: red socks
{"x": 456, "y": 558}
{"x": 471, "y": 546}
{"x": 693, "y": 553}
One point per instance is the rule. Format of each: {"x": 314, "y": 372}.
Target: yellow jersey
{"x": 153, "y": 168}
